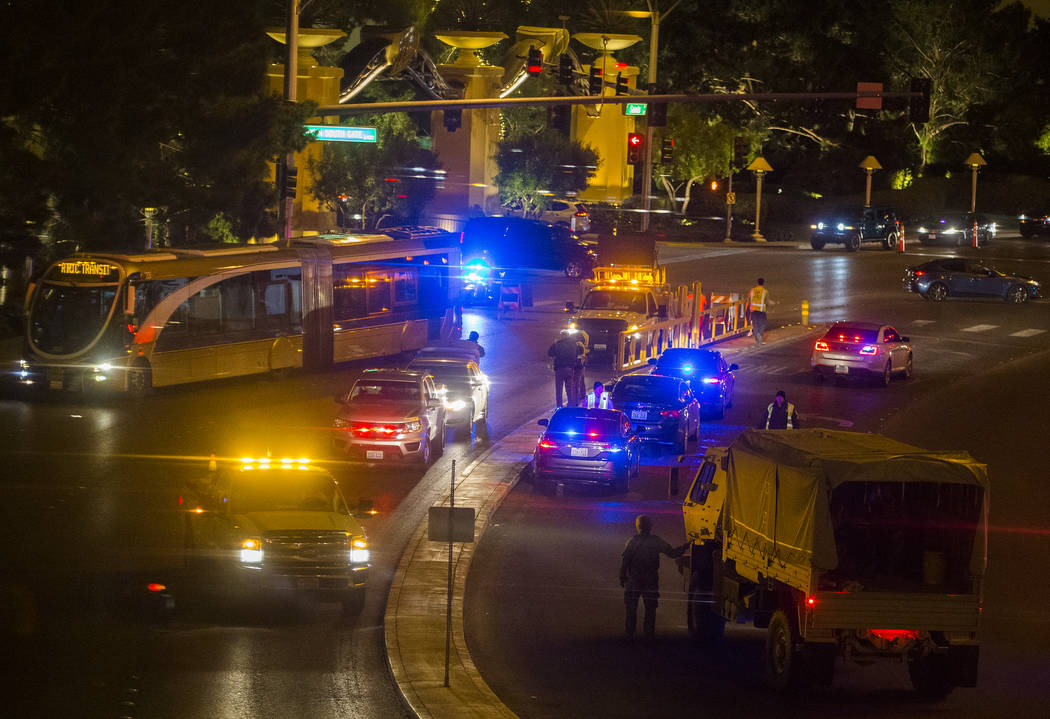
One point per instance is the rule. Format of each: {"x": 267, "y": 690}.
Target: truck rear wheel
{"x": 782, "y": 661}
{"x": 930, "y": 676}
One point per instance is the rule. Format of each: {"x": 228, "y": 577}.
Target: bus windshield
{"x": 66, "y": 319}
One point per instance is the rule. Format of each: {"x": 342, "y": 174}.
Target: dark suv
{"x": 1035, "y": 223}
{"x": 512, "y": 243}
{"x": 851, "y": 226}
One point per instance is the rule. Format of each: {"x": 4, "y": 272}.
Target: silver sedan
{"x": 862, "y": 349}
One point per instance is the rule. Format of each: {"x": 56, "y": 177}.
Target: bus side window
{"x": 348, "y": 293}
{"x": 204, "y": 313}
{"x": 378, "y": 292}
{"x": 703, "y": 484}
{"x": 238, "y": 306}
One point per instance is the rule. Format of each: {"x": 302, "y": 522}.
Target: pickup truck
{"x": 841, "y": 545}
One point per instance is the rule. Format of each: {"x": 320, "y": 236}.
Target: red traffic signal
{"x": 534, "y": 65}
{"x": 635, "y": 148}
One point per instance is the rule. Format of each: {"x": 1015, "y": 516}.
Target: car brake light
{"x": 670, "y": 413}
{"x": 821, "y": 346}
{"x": 869, "y": 350}
{"x": 592, "y": 435}
{"x": 811, "y": 602}
{"x": 920, "y": 273}
{"x": 581, "y": 213}
{"x": 710, "y": 380}
{"x": 547, "y": 443}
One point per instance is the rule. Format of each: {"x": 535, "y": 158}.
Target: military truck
{"x": 842, "y": 545}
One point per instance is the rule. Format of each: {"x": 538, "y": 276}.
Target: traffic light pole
{"x": 647, "y": 170}
{"x": 291, "y": 73}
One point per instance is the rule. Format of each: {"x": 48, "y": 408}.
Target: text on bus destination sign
{"x": 88, "y": 268}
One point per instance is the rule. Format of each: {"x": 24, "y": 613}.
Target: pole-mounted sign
{"x": 339, "y": 133}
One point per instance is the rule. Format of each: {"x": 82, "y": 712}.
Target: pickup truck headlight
{"x": 251, "y": 551}
{"x": 359, "y": 551}
{"x": 413, "y": 426}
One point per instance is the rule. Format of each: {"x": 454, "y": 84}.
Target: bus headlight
{"x": 251, "y": 551}
{"x": 359, "y": 552}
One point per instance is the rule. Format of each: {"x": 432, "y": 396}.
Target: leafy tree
{"x": 534, "y": 168}
{"x": 394, "y": 175}
{"x": 703, "y": 146}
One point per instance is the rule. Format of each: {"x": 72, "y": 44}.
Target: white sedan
{"x": 862, "y": 349}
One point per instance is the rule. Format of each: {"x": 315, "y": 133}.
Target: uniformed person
{"x": 640, "y": 574}
{"x": 598, "y": 398}
{"x": 780, "y": 414}
{"x": 758, "y": 300}
{"x": 564, "y": 353}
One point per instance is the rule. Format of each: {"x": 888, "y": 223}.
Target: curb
{"x": 414, "y": 622}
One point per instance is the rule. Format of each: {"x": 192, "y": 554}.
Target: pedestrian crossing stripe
{"x": 1027, "y": 333}
{"x": 979, "y": 328}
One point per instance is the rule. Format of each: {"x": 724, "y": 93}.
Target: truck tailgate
{"x": 879, "y": 610}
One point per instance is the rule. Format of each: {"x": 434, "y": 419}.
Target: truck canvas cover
{"x": 780, "y": 485}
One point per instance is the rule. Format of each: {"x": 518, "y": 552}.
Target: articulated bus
{"x": 135, "y": 321}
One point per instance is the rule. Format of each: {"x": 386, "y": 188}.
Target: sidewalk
{"x": 415, "y": 610}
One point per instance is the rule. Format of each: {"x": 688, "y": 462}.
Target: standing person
{"x": 598, "y": 399}
{"x": 474, "y": 337}
{"x": 780, "y": 414}
{"x": 640, "y": 574}
{"x": 758, "y": 300}
{"x": 579, "y": 370}
{"x": 564, "y": 353}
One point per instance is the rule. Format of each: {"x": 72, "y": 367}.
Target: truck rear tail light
{"x": 890, "y": 635}
{"x": 869, "y": 350}
{"x": 821, "y": 346}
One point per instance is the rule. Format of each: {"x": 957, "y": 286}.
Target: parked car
{"x": 1035, "y": 223}
{"x": 504, "y": 245}
{"x": 587, "y": 446}
{"x": 564, "y": 212}
{"x": 709, "y": 377}
{"x": 955, "y": 228}
{"x": 390, "y": 415}
{"x": 851, "y": 226}
{"x": 862, "y": 349}
{"x": 661, "y": 409}
{"x": 462, "y": 386}
{"x": 275, "y": 524}
{"x": 937, "y": 280}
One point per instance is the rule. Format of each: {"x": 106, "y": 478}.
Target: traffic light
{"x": 594, "y": 84}
{"x": 534, "y": 65}
{"x": 289, "y": 180}
{"x": 453, "y": 119}
{"x": 635, "y": 148}
{"x": 667, "y": 151}
{"x": 565, "y": 69}
{"x": 621, "y": 84}
{"x": 739, "y": 151}
{"x": 919, "y": 107}
{"x": 657, "y": 114}
{"x": 559, "y": 117}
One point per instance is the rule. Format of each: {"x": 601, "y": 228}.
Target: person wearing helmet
{"x": 640, "y": 574}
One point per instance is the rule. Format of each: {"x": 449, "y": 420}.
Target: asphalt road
{"x": 90, "y": 496}
{"x": 543, "y": 605}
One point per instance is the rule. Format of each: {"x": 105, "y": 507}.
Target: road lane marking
{"x": 923, "y": 323}
{"x": 979, "y": 328}
{"x": 1027, "y": 333}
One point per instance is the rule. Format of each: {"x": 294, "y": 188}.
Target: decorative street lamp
{"x": 975, "y": 161}
{"x": 869, "y": 165}
{"x": 759, "y": 166}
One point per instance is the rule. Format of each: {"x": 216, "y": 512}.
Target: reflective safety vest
{"x": 790, "y": 414}
{"x": 758, "y": 297}
{"x": 603, "y": 402}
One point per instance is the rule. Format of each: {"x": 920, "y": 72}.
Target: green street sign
{"x": 339, "y": 133}
{"x": 635, "y": 108}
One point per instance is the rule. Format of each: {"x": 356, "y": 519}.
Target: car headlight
{"x": 456, "y": 405}
{"x": 413, "y": 426}
{"x": 359, "y": 553}
{"x": 951, "y": 231}
{"x": 1022, "y": 217}
{"x": 922, "y": 230}
{"x": 251, "y": 551}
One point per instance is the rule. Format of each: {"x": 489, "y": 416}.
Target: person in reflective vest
{"x": 758, "y": 301}
{"x": 780, "y": 414}
{"x": 598, "y": 399}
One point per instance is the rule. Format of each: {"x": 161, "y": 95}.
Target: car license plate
{"x": 639, "y": 414}
{"x": 579, "y": 452}
{"x": 373, "y": 454}
{"x": 307, "y": 583}
{"x": 600, "y": 347}
{"x": 841, "y": 369}
{"x": 933, "y": 234}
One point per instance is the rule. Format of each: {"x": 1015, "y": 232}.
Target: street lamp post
{"x": 869, "y": 165}
{"x": 655, "y": 17}
{"x": 291, "y": 75}
{"x": 976, "y": 162}
{"x": 760, "y": 167}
